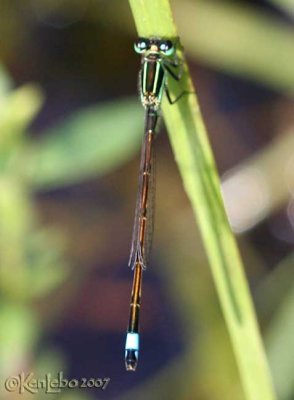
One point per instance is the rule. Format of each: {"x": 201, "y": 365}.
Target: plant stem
{"x": 197, "y": 167}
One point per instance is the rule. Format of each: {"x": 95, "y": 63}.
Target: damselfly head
{"x": 163, "y": 46}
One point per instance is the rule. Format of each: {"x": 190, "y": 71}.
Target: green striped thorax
{"x": 153, "y": 74}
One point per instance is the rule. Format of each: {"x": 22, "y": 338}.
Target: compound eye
{"x": 167, "y": 47}
{"x": 141, "y": 45}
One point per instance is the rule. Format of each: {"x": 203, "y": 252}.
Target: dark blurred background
{"x": 71, "y": 127}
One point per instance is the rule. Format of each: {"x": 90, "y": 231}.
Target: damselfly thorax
{"x": 152, "y": 79}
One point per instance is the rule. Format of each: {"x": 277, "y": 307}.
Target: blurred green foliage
{"x": 236, "y": 39}
{"x": 286, "y": 5}
{"x": 63, "y": 156}
{"x": 240, "y": 40}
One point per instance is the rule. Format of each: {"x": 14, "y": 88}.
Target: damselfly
{"x": 159, "y": 60}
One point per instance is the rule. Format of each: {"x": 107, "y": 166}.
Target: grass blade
{"x": 196, "y": 164}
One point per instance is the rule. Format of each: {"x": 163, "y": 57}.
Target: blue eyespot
{"x": 166, "y": 47}
{"x": 141, "y": 45}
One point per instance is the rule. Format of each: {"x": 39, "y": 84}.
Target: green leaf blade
{"x": 197, "y": 167}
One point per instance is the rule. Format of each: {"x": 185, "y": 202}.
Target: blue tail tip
{"x": 132, "y": 351}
